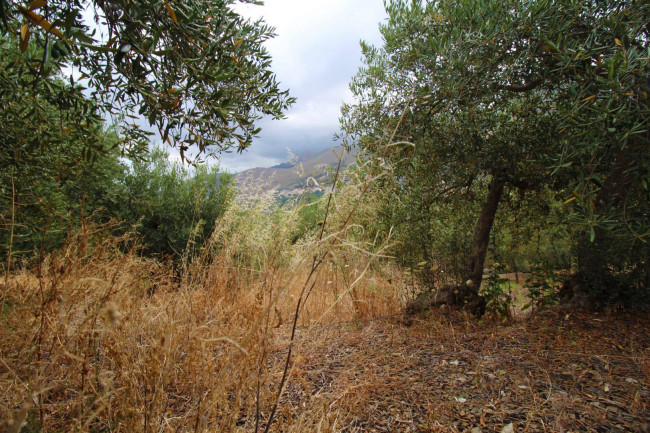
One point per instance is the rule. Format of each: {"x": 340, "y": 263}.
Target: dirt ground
{"x": 555, "y": 371}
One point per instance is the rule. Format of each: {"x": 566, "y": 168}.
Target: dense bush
{"x": 174, "y": 207}
{"x": 58, "y": 163}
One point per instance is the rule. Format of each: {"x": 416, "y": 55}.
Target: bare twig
{"x": 304, "y": 294}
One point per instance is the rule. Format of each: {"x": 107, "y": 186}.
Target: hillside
{"x": 292, "y": 177}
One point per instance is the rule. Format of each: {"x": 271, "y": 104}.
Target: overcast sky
{"x": 315, "y": 54}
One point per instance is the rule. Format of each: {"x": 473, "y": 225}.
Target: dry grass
{"x": 101, "y": 339}
{"x": 106, "y": 341}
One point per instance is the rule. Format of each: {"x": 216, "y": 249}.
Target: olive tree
{"x": 471, "y": 100}
{"x": 601, "y": 53}
{"x": 82, "y": 81}
{"x": 175, "y": 208}
{"x": 454, "y": 103}
{"x": 57, "y": 164}
{"x": 195, "y": 70}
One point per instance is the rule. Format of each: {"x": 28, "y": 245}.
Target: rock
{"x": 476, "y": 430}
{"x": 510, "y": 428}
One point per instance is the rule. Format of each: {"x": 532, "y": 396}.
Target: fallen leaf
{"x": 24, "y": 37}
{"x": 37, "y": 4}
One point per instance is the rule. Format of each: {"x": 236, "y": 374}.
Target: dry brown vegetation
{"x": 556, "y": 371}
{"x": 99, "y": 339}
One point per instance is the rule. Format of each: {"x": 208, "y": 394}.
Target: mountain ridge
{"x": 303, "y": 172}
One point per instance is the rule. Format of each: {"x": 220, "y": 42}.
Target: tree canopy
{"x": 477, "y": 99}
{"x": 195, "y": 71}
{"x": 83, "y": 83}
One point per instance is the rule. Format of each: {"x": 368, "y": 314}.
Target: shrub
{"x": 174, "y": 207}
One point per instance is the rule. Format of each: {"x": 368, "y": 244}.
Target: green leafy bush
{"x": 496, "y": 291}
{"x": 174, "y": 207}
{"x": 58, "y": 163}
{"x": 543, "y": 286}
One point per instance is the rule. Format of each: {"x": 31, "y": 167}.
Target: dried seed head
{"x": 111, "y": 313}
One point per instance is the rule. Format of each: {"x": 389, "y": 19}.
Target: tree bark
{"x": 466, "y": 295}
{"x": 476, "y": 261}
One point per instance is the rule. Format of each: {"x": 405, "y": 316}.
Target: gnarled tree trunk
{"x": 476, "y": 260}
{"x": 466, "y": 295}
{"x": 468, "y": 291}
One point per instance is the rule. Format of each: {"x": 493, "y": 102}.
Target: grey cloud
{"x": 315, "y": 55}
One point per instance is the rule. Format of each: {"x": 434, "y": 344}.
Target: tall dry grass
{"x": 98, "y": 338}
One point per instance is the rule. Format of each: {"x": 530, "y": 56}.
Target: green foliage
{"x": 614, "y": 268}
{"x": 174, "y": 207}
{"x": 310, "y": 215}
{"x": 602, "y": 54}
{"x": 496, "y": 291}
{"x": 438, "y": 102}
{"x": 438, "y": 235}
{"x": 45, "y": 115}
{"x": 547, "y": 98}
{"x": 48, "y": 200}
{"x": 42, "y": 112}
{"x": 58, "y": 163}
{"x": 543, "y": 287}
{"x": 195, "y": 70}
{"x": 56, "y": 173}
{"x": 531, "y": 229}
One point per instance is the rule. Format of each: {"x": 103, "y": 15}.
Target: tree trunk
{"x": 475, "y": 264}
{"x": 466, "y": 294}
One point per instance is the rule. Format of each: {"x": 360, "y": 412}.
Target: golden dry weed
{"x": 98, "y": 338}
